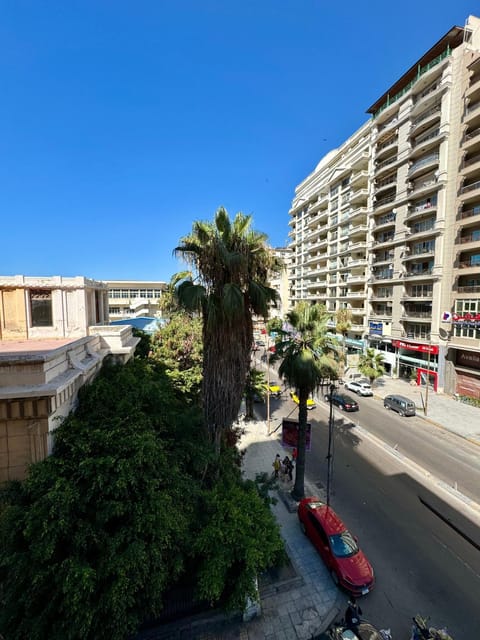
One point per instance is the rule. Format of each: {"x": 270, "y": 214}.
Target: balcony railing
{"x": 469, "y": 213}
{"x": 425, "y": 272}
{"x": 387, "y": 143}
{"x": 473, "y": 160}
{"x": 426, "y": 114}
{"x": 470, "y": 187}
{"x": 471, "y": 237}
{"x": 468, "y": 264}
{"x": 386, "y": 181}
{"x": 434, "y": 157}
{"x": 430, "y": 136}
{"x": 416, "y": 314}
{"x": 473, "y": 288}
{"x": 384, "y": 201}
{"x": 426, "y": 92}
{"x": 386, "y": 163}
{"x": 473, "y": 107}
{"x": 473, "y": 134}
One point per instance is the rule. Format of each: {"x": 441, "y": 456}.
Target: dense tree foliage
{"x": 99, "y": 530}
{"x": 231, "y": 265}
{"x": 177, "y": 347}
{"x": 371, "y": 364}
{"x": 256, "y": 387}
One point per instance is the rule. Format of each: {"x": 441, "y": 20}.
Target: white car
{"x": 362, "y": 388}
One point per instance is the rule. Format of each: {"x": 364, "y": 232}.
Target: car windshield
{"x": 343, "y": 545}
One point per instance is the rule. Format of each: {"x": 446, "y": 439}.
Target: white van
{"x": 402, "y": 405}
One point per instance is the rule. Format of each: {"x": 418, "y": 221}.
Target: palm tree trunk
{"x": 298, "y": 491}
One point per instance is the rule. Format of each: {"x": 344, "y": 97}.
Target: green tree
{"x": 168, "y": 302}
{"x": 371, "y": 364}
{"x": 232, "y": 263}
{"x": 256, "y": 386}
{"x": 307, "y": 358}
{"x": 142, "y": 350}
{"x": 177, "y": 347}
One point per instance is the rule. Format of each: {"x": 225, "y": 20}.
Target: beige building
{"x": 422, "y": 195}
{"x": 279, "y": 281}
{"x": 134, "y": 298}
{"x": 54, "y": 337}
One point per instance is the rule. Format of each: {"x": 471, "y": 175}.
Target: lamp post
{"x": 268, "y": 385}
{"x": 428, "y": 375}
{"x": 330, "y": 439}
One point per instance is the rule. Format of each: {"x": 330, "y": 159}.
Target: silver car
{"x": 362, "y": 388}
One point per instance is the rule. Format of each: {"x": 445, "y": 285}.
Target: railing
{"x": 429, "y": 136}
{"x": 472, "y": 160}
{"x": 472, "y": 134}
{"x": 416, "y": 314}
{"x": 387, "y": 124}
{"x": 426, "y": 92}
{"x": 386, "y": 163}
{"x": 421, "y": 71}
{"x": 470, "y": 187}
{"x": 469, "y": 213}
{"x": 425, "y": 272}
{"x": 386, "y": 181}
{"x": 470, "y": 238}
{"x": 383, "y": 201}
{"x": 426, "y": 114}
{"x": 387, "y": 143}
{"x": 468, "y": 264}
{"x": 472, "y": 107}
{"x": 474, "y": 288}
{"x": 434, "y": 157}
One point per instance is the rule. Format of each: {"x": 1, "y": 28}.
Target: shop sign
{"x": 470, "y": 359}
{"x": 412, "y": 346}
{"x": 466, "y": 320}
{"x": 290, "y": 434}
{"x": 375, "y": 328}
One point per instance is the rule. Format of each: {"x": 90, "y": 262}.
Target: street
{"x": 423, "y": 545}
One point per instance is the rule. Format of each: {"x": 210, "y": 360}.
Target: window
{"x": 343, "y": 545}
{"x": 41, "y": 308}
{"x": 318, "y": 528}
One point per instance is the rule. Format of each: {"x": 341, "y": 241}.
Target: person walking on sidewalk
{"x": 277, "y": 465}
{"x": 287, "y": 463}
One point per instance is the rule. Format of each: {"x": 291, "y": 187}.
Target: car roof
{"x": 329, "y": 520}
{"x": 398, "y": 397}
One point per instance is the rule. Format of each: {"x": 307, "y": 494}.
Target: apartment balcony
{"x": 359, "y": 179}
{"x": 359, "y": 197}
{"x": 473, "y": 90}
{"x": 469, "y": 238}
{"x": 424, "y": 274}
{"x": 385, "y": 220}
{"x": 472, "y": 112}
{"x": 383, "y": 259}
{"x": 358, "y": 214}
{"x": 421, "y": 188}
{"x": 469, "y": 263}
{"x": 385, "y": 149}
{"x": 470, "y": 214}
{"x": 317, "y": 283}
{"x": 423, "y": 165}
{"x": 421, "y": 316}
{"x": 470, "y": 191}
{"x": 432, "y": 91}
{"x": 421, "y": 231}
{"x": 385, "y": 184}
{"x": 356, "y": 279}
{"x": 359, "y": 231}
{"x": 385, "y": 202}
{"x": 467, "y": 284}
{"x": 471, "y": 138}
{"x": 428, "y": 141}
{"x": 379, "y": 315}
{"x": 361, "y": 161}
{"x": 417, "y": 335}
{"x": 384, "y": 165}
{"x": 357, "y": 262}
{"x": 383, "y": 241}
{"x": 426, "y": 119}
{"x": 414, "y": 254}
{"x": 471, "y": 164}
{"x": 388, "y": 125}
{"x": 423, "y": 295}
{"x": 429, "y": 206}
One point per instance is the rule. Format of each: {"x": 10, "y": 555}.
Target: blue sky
{"x": 123, "y": 122}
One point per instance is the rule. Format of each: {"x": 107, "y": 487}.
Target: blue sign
{"x": 375, "y": 328}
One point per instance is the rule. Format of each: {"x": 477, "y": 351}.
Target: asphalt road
{"x": 424, "y": 546}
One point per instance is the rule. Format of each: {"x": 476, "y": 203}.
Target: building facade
{"x": 54, "y": 337}
{"x": 419, "y": 189}
{"x": 134, "y": 298}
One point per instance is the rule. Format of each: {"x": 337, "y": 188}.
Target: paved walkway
{"x": 305, "y": 607}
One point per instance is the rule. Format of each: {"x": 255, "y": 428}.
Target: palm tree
{"x": 309, "y": 356}
{"x": 232, "y": 264}
{"x": 168, "y": 302}
{"x": 342, "y": 326}
{"x": 256, "y": 386}
{"x": 371, "y": 365}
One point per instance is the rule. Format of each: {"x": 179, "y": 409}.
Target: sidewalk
{"x": 442, "y": 410}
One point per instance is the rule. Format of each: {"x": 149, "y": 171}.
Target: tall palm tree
{"x": 168, "y": 302}
{"x": 371, "y": 364}
{"x": 231, "y": 264}
{"x": 343, "y": 318}
{"x": 309, "y": 356}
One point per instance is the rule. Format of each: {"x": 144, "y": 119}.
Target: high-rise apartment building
{"x": 421, "y": 253}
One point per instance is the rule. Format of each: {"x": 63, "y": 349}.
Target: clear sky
{"x": 123, "y": 122}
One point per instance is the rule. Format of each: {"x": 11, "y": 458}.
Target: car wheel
{"x": 386, "y": 407}
{"x": 400, "y": 413}
{"x": 334, "y": 577}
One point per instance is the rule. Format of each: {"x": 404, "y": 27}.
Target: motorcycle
{"x": 354, "y": 627}
{"x": 421, "y": 630}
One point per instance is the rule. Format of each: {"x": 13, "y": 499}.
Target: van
{"x": 400, "y": 404}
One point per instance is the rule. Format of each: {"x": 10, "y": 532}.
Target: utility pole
{"x": 330, "y": 439}
{"x": 428, "y": 375}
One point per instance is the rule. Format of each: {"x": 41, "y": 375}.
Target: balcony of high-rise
{"x": 419, "y": 311}
{"x": 469, "y": 192}
{"x": 468, "y": 284}
{"x": 425, "y": 186}
{"x": 424, "y": 227}
{"x": 426, "y": 119}
{"x": 383, "y": 221}
{"x": 428, "y": 141}
{"x": 417, "y": 292}
{"x": 419, "y": 269}
{"x": 386, "y": 146}
{"x": 381, "y": 311}
{"x": 382, "y": 203}
{"x": 415, "y": 250}
{"x": 424, "y": 164}
{"x": 417, "y": 331}
{"x": 469, "y": 260}
{"x": 418, "y": 208}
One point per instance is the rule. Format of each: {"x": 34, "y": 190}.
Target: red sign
{"x": 290, "y": 434}
{"x": 412, "y": 346}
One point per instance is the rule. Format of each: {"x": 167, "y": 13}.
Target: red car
{"x": 338, "y": 547}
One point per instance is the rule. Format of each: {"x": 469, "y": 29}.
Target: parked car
{"x": 337, "y": 547}
{"x": 275, "y": 390}
{"x": 362, "y": 388}
{"x": 402, "y": 405}
{"x": 346, "y": 403}
{"x": 310, "y": 402}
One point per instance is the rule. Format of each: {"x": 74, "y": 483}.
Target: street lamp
{"x": 330, "y": 439}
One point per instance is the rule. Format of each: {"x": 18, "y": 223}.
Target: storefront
{"x": 419, "y": 360}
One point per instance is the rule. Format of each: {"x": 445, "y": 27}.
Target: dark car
{"x": 346, "y": 403}
{"x": 336, "y": 545}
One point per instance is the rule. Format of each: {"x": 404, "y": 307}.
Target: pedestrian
{"x": 352, "y": 614}
{"x": 276, "y": 465}
{"x": 287, "y": 463}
